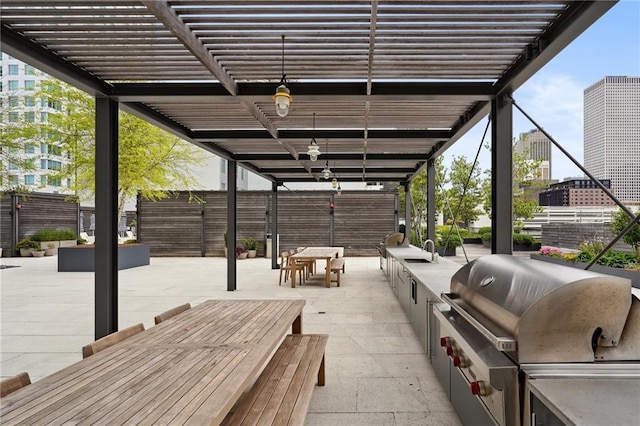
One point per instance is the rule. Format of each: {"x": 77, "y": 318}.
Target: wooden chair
{"x": 171, "y": 313}
{"x": 286, "y": 267}
{"x": 111, "y": 339}
{"x": 310, "y": 265}
{"x": 14, "y": 383}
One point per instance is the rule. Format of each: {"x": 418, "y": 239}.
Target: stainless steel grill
{"x": 505, "y": 314}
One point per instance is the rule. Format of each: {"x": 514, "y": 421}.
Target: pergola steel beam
{"x": 25, "y": 50}
{"x": 339, "y": 170}
{"x": 331, "y": 157}
{"x": 578, "y": 16}
{"x": 387, "y": 91}
{"x": 221, "y": 135}
{"x": 171, "y": 21}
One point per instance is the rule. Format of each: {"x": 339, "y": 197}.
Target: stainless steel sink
{"x": 417, "y": 260}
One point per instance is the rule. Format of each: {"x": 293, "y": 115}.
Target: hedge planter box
{"x": 618, "y": 272}
{"x": 470, "y": 240}
{"x": 82, "y": 258}
{"x": 450, "y": 251}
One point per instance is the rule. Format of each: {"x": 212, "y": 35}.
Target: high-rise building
{"x": 17, "y": 90}
{"x": 612, "y": 134}
{"x": 534, "y": 145}
{"x": 18, "y": 85}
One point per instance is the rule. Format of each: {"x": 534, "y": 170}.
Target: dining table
{"x": 189, "y": 369}
{"x": 316, "y": 253}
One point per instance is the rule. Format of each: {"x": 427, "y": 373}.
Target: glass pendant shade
{"x": 283, "y": 99}
{"x": 313, "y": 151}
{"x": 326, "y": 173}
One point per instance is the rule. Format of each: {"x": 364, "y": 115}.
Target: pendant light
{"x": 314, "y": 150}
{"x": 326, "y": 173}
{"x": 283, "y": 95}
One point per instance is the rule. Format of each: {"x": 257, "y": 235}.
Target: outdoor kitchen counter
{"x": 590, "y": 401}
{"x": 435, "y": 277}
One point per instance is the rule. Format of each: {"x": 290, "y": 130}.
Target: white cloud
{"x": 555, "y": 102}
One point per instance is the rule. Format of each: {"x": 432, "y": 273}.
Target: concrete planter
{"x": 37, "y": 253}
{"x": 618, "y": 272}
{"x": 470, "y": 240}
{"x": 68, "y": 243}
{"x": 82, "y": 258}
{"x": 450, "y": 251}
{"x": 526, "y": 247}
{"x": 252, "y": 253}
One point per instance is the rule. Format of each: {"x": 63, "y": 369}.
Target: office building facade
{"x": 535, "y": 146}
{"x": 575, "y": 192}
{"x": 612, "y": 134}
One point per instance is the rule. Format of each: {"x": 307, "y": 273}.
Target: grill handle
{"x": 504, "y": 344}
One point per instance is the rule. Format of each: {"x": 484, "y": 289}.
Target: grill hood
{"x": 552, "y": 313}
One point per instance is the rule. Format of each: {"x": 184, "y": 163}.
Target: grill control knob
{"x": 460, "y": 361}
{"x": 444, "y": 341}
{"x": 478, "y": 388}
{"x": 452, "y": 350}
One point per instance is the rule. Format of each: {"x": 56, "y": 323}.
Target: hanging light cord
{"x": 284, "y": 76}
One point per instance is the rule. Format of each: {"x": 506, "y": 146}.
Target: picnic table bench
{"x": 191, "y": 369}
{"x": 337, "y": 266}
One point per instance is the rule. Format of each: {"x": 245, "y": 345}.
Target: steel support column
{"x": 332, "y": 222}
{"x": 501, "y": 176}
{"x": 106, "y": 225}
{"x": 274, "y": 226}
{"x": 232, "y": 198}
{"x": 431, "y": 200}
{"x": 407, "y": 210}
{"x": 15, "y": 223}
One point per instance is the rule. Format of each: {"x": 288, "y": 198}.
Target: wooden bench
{"x": 337, "y": 266}
{"x": 282, "y": 393}
{"x": 111, "y": 339}
{"x": 171, "y": 313}
{"x": 14, "y": 383}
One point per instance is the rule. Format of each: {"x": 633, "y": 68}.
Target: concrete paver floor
{"x": 377, "y": 372}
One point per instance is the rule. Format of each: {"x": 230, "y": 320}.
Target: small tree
{"x": 418, "y": 190}
{"x": 464, "y": 207}
{"x": 620, "y": 220}
{"x": 17, "y": 140}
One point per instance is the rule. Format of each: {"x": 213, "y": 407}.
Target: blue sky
{"x": 553, "y": 97}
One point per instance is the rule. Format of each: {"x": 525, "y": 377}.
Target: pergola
{"x": 393, "y": 84}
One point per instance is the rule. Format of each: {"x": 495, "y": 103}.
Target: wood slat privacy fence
{"x": 37, "y": 211}
{"x": 180, "y": 226}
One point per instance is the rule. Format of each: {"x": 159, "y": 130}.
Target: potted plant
{"x": 241, "y": 253}
{"x": 38, "y": 251}
{"x": 50, "y": 250}
{"x": 251, "y": 245}
{"x": 26, "y": 246}
{"x": 447, "y": 242}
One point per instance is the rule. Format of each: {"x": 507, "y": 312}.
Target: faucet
{"x": 434, "y": 257}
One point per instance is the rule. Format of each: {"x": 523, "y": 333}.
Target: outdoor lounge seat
{"x": 111, "y": 339}
{"x": 14, "y": 383}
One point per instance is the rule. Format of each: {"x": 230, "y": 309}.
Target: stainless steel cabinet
{"x": 403, "y": 289}
{"x": 418, "y": 311}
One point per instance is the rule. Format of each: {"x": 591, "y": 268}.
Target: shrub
{"x": 250, "y": 243}
{"x": 54, "y": 235}
{"x": 130, "y": 242}
{"x": 614, "y": 259}
{"x": 451, "y": 239}
{"x": 523, "y": 239}
{"x": 486, "y": 235}
{"x": 80, "y": 242}
{"x": 27, "y": 243}
{"x": 484, "y": 230}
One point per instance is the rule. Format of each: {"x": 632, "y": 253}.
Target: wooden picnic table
{"x": 316, "y": 253}
{"x": 190, "y": 369}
